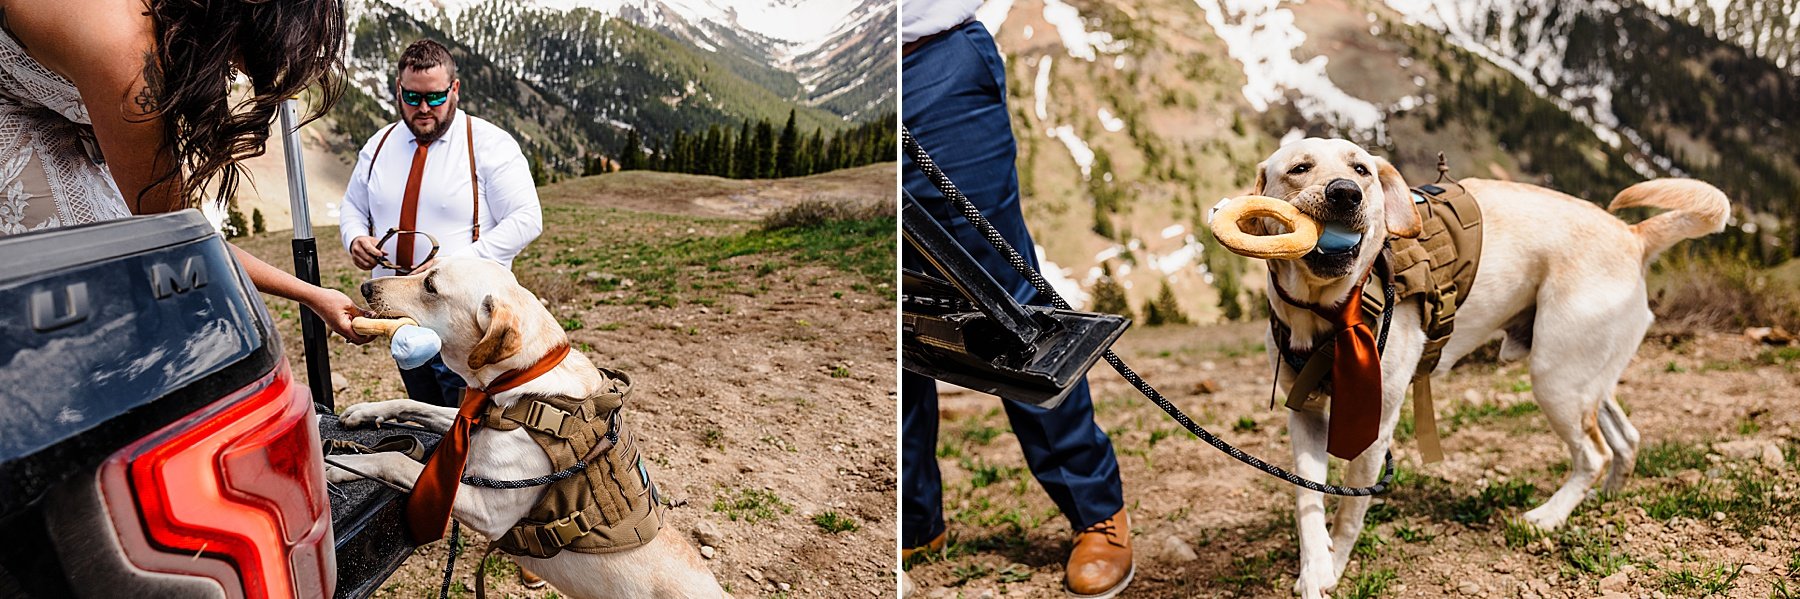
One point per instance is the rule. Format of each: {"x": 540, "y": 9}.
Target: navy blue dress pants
{"x": 433, "y": 383}
{"x": 955, "y": 106}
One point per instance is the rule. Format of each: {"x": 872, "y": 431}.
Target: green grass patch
{"x": 1747, "y": 500}
{"x": 983, "y": 474}
{"x": 750, "y": 505}
{"x": 1590, "y": 552}
{"x": 833, "y": 522}
{"x": 1258, "y": 571}
{"x": 1519, "y": 533}
{"x": 1481, "y": 507}
{"x": 1665, "y": 458}
{"x": 1245, "y": 424}
{"x": 1366, "y": 585}
{"x": 1692, "y": 583}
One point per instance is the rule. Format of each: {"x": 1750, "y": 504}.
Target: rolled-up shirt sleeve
{"x": 511, "y": 197}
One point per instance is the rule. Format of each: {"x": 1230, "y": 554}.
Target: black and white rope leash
{"x": 969, "y": 211}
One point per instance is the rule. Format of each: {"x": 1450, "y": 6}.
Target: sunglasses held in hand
{"x": 433, "y": 99}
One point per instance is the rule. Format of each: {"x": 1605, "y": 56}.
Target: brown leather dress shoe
{"x": 529, "y": 579}
{"x": 1100, "y": 565}
{"x": 935, "y": 545}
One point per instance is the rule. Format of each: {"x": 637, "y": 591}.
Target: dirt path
{"x": 1707, "y": 512}
{"x": 763, "y": 381}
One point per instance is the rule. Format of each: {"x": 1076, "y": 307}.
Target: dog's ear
{"x": 1402, "y": 218}
{"x": 1262, "y": 177}
{"x": 500, "y": 339}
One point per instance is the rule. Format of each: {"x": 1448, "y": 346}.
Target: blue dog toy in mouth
{"x": 1336, "y": 238}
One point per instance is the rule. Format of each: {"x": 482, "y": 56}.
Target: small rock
{"x": 1468, "y": 587}
{"x": 754, "y": 574}
{"x": 1530, "y": 595}
{"x": 1176, "y": 550}
{"x": 339, "y": 382}
{"x": 785, "y": 587}
{"x": 1206, "y": 387}
{"x": 1718, "y": 516}
{"x": 707, "y": 551}
{"x": 1503, "y": 567}
{"x": 1618, "y": 581}
{"x": 707, "y": 533}
{"x": 1752, "y": 569}
{"x": 1771, "y": 456}
{"x": 1770, "y": 335}
{"x": 1658, "y": 595}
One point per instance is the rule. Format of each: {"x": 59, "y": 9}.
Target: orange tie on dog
{"x": 409, "y": 206}
{"x": 428, "y": 507}
{"x": 1355, "y": 381}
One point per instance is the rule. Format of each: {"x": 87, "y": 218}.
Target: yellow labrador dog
{"x": 1560, "y": 278}
{"x": 467, "y": 300}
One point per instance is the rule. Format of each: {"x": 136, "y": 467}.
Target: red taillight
{"x": 243, "y": 482}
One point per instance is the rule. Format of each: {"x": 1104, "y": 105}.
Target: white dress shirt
{"x": 919, "y": 18}
{"x": 510, "y": 216}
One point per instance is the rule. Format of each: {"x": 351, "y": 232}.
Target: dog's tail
{"x": 1693, "y": 209}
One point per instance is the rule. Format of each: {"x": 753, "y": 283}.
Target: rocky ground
{"x": 763, "y": 363}
{"x": 1711, "y": 510}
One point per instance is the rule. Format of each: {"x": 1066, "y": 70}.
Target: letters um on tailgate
{"x": 83, "y": 345}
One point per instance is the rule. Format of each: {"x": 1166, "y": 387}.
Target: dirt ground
{"x": 764, "y": 370}
{"x": 1711, "y": 510}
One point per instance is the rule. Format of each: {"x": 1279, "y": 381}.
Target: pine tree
{"x": 631, "y": 158}
{"x": 813, "y": 154}
{"x": 234, "y": 223}
{"x": 743, "y": 160}
{"x": 1164, "y": 309}
{"x": 1109, "y": 295}
{"x": 787, "y": 149}
{"x": 765, "y": 150}
{"x": 257, "y": 225}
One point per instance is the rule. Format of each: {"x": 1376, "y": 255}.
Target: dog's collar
{"x": 512, "y": 379}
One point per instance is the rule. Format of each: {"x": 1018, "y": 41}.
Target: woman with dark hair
{"x": 110, "y": 108}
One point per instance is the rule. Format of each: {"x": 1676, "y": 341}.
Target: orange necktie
{"x": 409, "y": 206}
{"x": 428, "y": 507}
{"x": 1355, "y": 376}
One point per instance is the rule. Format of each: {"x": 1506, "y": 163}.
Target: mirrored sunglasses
{"x": 433, "y": 99}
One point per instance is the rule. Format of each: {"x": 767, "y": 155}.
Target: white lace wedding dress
{"x": 51, "y": 172}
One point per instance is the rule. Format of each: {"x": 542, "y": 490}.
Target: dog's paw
{"x": 1316, "y": 580}
{"x": 337, "y": 476}
{"x": 363, "y": 415}
{"x": 1543, "y": 519}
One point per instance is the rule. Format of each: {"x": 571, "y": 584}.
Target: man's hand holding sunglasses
{"x": 366, "y": 253}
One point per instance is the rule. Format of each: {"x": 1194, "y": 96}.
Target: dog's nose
{"x": 1343, "y": 193}
{"x": 368, "y": 289}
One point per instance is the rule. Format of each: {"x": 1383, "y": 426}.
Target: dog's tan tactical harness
{"x": 1439, "y": 268}
{"x": 611, "y": 505}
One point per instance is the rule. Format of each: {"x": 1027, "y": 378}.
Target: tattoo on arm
{"x": 146, "y": 98}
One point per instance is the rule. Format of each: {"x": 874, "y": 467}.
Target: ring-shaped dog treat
{"x": 1227, "y": 227}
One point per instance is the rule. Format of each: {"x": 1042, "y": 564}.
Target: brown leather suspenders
{"x": 474, "y": 181}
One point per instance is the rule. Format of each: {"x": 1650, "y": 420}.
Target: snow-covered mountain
{"x": 842, "y": 51}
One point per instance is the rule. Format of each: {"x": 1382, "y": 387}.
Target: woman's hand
{"x": 336, "y": 310}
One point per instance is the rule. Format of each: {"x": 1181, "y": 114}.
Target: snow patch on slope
{"x": 1262, "y": 37}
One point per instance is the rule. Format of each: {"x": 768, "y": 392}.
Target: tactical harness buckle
{"x": 566, "y": 530}
{"x": 547, "y": 419}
